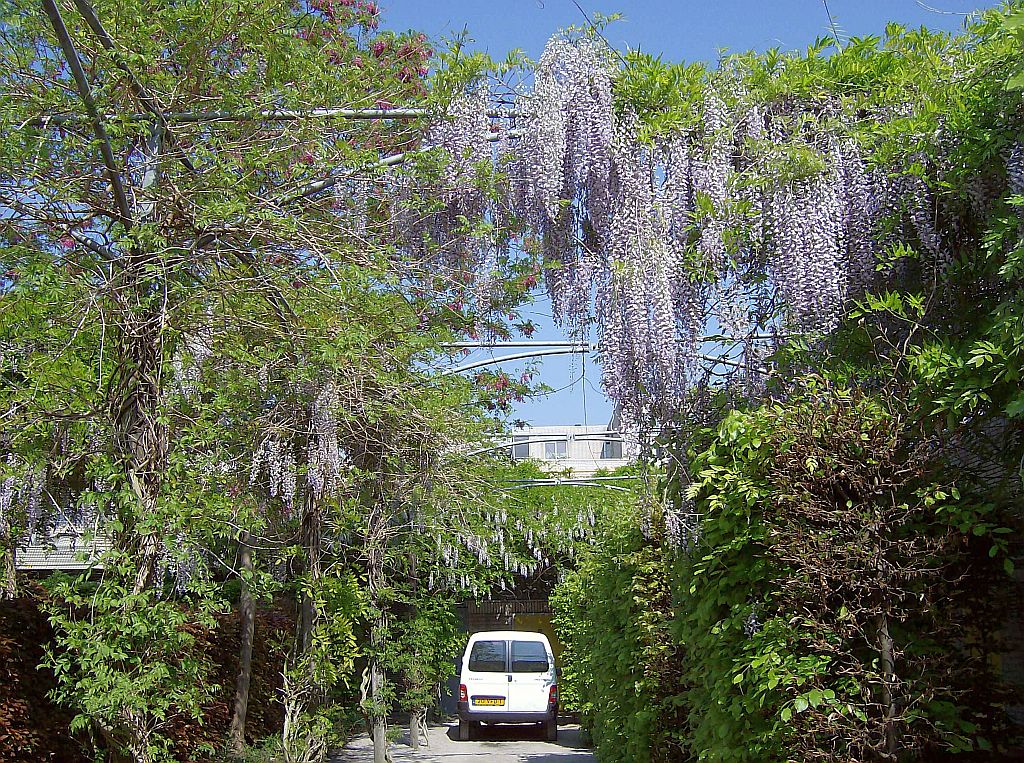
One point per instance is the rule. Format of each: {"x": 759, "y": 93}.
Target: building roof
{"x": 64, "y": 548}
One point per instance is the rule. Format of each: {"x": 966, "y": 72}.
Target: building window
{"x": 522, "y": 447}
{"x": 611, "y": 449}
{"x": 553, "y": 450}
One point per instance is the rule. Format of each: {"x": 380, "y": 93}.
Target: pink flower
{"x": 66, "y": 242}
{"x": 384, "y": 105}
{"x": 358, "y": 62}
{"x": 307, "y": 158}
{"x": 379, "y": 48}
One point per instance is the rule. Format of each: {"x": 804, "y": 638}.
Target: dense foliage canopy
{"x": 239, "y": 238}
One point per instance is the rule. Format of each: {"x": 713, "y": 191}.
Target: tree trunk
{"x": 247, "y": 621}
{"x": 418, "y": 727}
{"x": 885, "y": 644}
{"x": 8, "y": 570}
{"x": 415, "y": 712}
{"x": 312, "y": 537}
{"x": 375, "y": 547}
{"x": 140, "y": 436}
{"x": 379, "y": 723}
{"x": 148, "y": 549}
{"x": 306, "y": 695}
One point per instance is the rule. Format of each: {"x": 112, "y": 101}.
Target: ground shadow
{"x": 569, "y": 738}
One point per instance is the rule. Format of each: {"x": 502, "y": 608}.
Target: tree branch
{"x": 89, "y": 14}
{"x": 75, "y": 64}
{"x": 90, "y": 244}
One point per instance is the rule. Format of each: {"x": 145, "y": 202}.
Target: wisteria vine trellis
{"x": 757, "y": 220}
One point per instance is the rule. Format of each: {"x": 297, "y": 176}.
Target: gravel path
{"x": 500, "y": 744}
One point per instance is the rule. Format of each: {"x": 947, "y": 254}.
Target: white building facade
{"x": 577, "y": 449}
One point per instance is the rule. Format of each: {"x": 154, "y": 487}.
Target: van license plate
{"x": 499, "y": 701}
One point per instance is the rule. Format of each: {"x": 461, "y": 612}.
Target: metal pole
{"x": 517, "y": 343}
{"x": 271, "y": 115}
{"x": 518, "y": 356}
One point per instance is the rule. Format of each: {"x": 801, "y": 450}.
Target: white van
{"x": 508, "y": 677}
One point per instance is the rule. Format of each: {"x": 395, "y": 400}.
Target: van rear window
{"x": 529, "y": 657}
{"x": 488, "y": 657}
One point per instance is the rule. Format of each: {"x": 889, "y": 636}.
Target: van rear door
{"x": 532, "y": 674}
{"x": 486, "y": 676}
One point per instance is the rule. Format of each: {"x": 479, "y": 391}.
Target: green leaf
{"x": 1014, "y": 21}
{"x": 1016, "y": 406}
{"x": 1016, "y": 81}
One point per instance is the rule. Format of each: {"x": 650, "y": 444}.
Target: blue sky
{"x": 683, "y": 30}
{"x": 680, "y": 30}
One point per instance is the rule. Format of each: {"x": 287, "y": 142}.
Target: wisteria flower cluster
{"x": 755, "y": 220}
{"x": 275, "y": 458}
{"x": 21, "y": 497}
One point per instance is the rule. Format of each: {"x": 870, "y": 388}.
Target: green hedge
{"x": 622, "y": 669}
{"x": 833, "y": 608}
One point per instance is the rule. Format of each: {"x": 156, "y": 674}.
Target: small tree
{"x": 197, "y": 270}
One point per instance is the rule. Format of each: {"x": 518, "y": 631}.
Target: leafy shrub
{"x": 825, "y": 614}
{"x": 31, "y": 726}
{"x": 127, "y": 662}
{"x": 621, "y": 669}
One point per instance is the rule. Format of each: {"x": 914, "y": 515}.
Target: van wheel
{"x": 551, "y": 730}
{"x": 465, "y": 730}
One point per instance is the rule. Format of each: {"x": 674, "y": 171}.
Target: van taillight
{"x": 463, "y": 694}
{"x": 553, "y": 694}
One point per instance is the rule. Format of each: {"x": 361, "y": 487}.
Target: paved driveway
{"x": 500, "y": 744}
